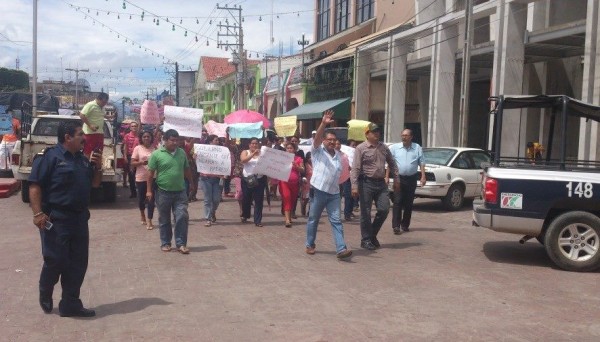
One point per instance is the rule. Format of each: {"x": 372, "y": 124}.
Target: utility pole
{"x": 77, "y": 71}
{"x": 34, "y": 80}
{"x": 280, "y": 93}
{"x": 176, "y": 84}
{"x": 463, "y": 130}
{"x": 303, "y": 42}
{"x": 238, "y": 54}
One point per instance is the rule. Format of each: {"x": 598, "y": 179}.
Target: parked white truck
{"x": 40, "y": 132}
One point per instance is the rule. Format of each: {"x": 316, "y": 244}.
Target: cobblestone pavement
{"x": 445, "y": 280}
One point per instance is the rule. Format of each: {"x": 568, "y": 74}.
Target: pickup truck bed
{"x": 554, "y": 199}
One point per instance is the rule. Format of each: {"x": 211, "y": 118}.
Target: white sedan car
{"x": 453, "y": 174}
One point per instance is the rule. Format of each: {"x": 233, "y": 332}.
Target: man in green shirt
{"x": 92, "y": 116}
{"x": 170, "y": 165}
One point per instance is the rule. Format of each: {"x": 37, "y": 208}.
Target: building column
{"x": 395, "y": 90}
{"x": 423, "y": 96}
{"x": 362, "y": 76}
{"x": 440, "y": 130}
{"x": 509, "y": 61}
{"x": 588, "y": 131}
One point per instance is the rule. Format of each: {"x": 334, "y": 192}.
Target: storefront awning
{"x": 311, "y": 111}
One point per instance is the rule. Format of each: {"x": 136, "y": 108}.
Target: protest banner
{"x": 286, "y": 126}
{"x": 6, "y": 124}
{"x": 246, "y": 130}
{"x": 356, "y": 129}
{"x": 218, "y": 129}
{"x": 274, "y": 163}
{"x": 186, "y": 121}
{"x": 213, "y": 159}
{"x": 349, "y": 151}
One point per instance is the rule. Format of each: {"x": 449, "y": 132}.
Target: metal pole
{"x": 303, "y": 43}
{"x": 465, "y": 81}
{"x": 177, "y": 83}
{"x": 241, "y": 90}
{"x": 34, "y": 80}
{"x": 279, "y": 81}
{"x": 77, "y": 89}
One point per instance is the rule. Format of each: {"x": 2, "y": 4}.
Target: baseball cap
{"x": 371, "y": 127}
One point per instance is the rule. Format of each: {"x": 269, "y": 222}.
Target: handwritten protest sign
{"x": 274, "y": 163}
{"x": 218, "y": 129}
{"x": 6, "y": 124}
{"x": 186, "y": 121}
{"x": 286, "y": 126}
{"x": 213, "y": 159}
{"x": 349, "y": 151}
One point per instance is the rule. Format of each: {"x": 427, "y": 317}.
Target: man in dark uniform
{"x": 61, "y": 180}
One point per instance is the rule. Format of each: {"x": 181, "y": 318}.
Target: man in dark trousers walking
{"x": 61, "y": 180}
{"x": 409, "y": 157}
{"x": 368, "y": 183}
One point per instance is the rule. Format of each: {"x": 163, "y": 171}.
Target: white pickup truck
{"x": 41, "y": 131}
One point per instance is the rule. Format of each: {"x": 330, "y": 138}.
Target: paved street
{"x": 445, "y": 280}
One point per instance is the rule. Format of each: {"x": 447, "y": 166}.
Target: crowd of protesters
{"x": 319, "y": 180}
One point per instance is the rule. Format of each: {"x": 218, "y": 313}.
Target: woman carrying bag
{"x": 253, "y": 185}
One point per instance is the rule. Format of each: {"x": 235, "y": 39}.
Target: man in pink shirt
{"x": 130, "y": 141}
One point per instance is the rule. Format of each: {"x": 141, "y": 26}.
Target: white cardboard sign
{"x": 274, "y": 163}
{"x": 213, "y": 159}
{"x": 186, "y": 121}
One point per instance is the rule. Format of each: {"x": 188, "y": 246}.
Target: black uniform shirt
{"x": 65, "y": 178}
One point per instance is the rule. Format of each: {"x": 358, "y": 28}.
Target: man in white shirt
{"x": 327, "y": 168}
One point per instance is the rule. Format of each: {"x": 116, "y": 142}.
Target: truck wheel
{"x": 109, "y": 192}
{"x": 572, "y": 241}
{"x": 454, "y": 198}
{"x": 25, "y": 191}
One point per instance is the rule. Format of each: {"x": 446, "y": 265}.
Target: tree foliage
{"x": 11, "y": 80}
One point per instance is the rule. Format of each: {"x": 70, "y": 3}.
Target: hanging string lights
{"x": 196, "y": 35}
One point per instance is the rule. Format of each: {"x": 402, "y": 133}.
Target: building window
{"x": 323, "y": 19}
{"x": 342, "y": 14}
{"x": 364, "y": 10}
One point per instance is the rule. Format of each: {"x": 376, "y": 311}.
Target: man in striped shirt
{"x": 327, "y": 168}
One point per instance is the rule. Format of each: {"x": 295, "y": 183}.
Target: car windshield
{"x": 438, "y": 156}
{"x": 49, "y": 127}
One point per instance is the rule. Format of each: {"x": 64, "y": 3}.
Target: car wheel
{"x": 454, "y": 198}
{"x": 25, "y": 191}
{"x": 572, "y": 241}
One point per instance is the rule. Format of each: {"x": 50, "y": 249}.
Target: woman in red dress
{"x": 289, "y": 190}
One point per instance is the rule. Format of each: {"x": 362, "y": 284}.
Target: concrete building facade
{"x": 519, "y": 47}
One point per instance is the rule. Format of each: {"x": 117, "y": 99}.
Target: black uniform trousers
{"x": 372, "y": 190}
{"x": 65, "y": 252}
{"x": 403, "y": 201}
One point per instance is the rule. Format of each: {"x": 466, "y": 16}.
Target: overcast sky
{"x": 126, "y": 56}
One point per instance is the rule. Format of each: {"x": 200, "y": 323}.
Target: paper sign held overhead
{"x": 218, "y": 129}
{"x": 186, "y": 121}
{"x": 286, "y": 126}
